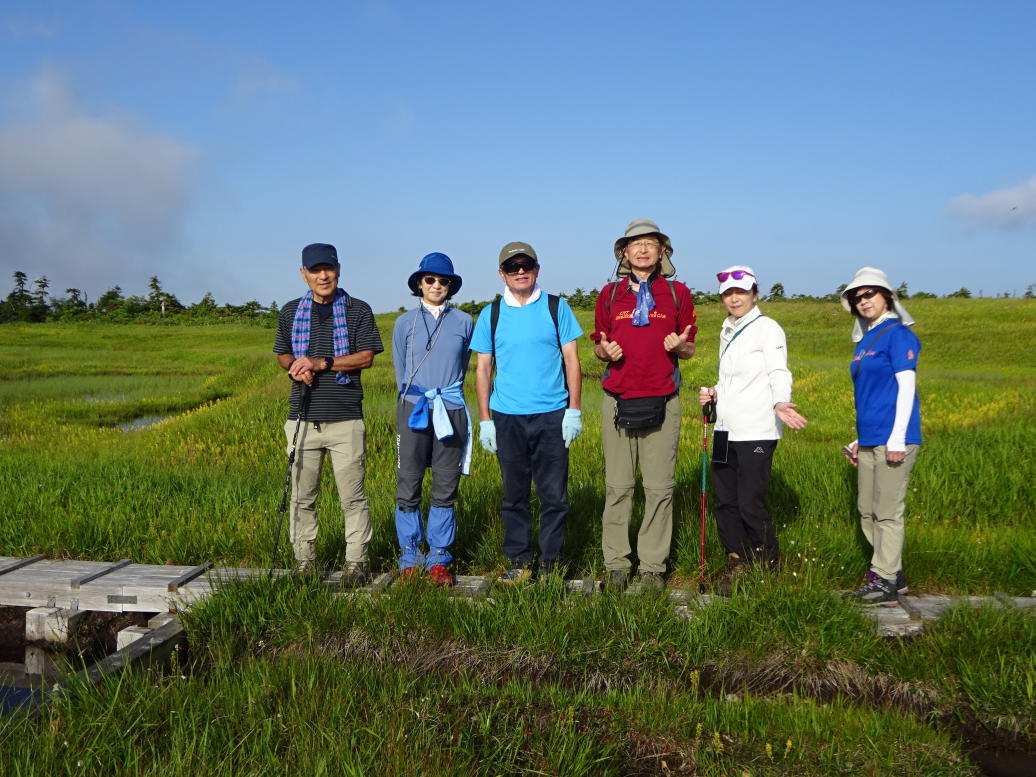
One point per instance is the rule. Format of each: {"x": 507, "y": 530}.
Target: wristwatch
{"x": 328, "y": 363}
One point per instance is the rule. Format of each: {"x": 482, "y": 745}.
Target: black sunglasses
{"x": 855, "y": 299}
{"x": 431, "y": 279}
{"x": 511, "y": 267}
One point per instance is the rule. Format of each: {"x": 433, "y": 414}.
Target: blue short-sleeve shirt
{"x": 876, "y": 360}
{"x": 530, "y": 376}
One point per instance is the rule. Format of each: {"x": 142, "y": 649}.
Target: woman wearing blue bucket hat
{"x": 433, "y": 428}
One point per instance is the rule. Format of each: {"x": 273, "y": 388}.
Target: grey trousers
{"x": 345, "y": 442}
{"x": 418, "y": 449}
{"x": 655, "y": 451}
{"x": 881, "y": 500}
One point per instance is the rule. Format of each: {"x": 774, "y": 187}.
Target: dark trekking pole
{"x": 708, "y": 416}
{"x": 303, "y": 405}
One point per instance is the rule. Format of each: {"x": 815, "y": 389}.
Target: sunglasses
{"x": 855, "y": 299}
{"x": 431, "y": 280}
{"x": 511, "y": 267}
{"x": 737, "y": 275}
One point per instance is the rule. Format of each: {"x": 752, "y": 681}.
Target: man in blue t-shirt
{"x": 532, "y": 414}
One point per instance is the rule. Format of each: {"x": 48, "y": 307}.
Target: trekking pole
{"x": 708, "y": 415}
{"x": 303, "y": 405}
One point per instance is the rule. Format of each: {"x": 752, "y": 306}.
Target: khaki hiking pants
{"x": 655, "y": 451}
{"x": 881, "y": 500}
{"x": 344, "y": 441}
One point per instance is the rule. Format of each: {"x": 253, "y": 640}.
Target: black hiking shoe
{"x": 901, "y": 583}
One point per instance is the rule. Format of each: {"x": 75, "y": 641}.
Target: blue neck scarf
{"x": 645, "y": 304}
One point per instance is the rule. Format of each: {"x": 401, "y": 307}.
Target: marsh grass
{"x": 285, "y": 677}
{"x": 204, "y": 484}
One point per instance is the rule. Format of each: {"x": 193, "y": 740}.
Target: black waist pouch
{"x": 639, "y": 413}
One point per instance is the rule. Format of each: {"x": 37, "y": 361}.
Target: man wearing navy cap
{"x": 433, "y": 429}
{"x": 324, "y": 339}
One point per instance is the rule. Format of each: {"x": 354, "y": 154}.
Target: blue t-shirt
{"x": 875, "y": 364}
{"x": 529, "y": 374}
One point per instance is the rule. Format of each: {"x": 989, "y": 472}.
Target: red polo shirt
{"x": 646, "y": 368}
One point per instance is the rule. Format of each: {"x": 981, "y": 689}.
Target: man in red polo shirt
{"x": 644, "y": 324}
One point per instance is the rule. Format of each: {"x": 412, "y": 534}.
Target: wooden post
{"x": 47, "y": 630}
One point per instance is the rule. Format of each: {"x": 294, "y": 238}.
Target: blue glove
{"x": 571, "y": 425}
{"x": 487, "y": 435}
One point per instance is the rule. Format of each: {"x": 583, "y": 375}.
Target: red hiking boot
{"x": 440, "y": 575}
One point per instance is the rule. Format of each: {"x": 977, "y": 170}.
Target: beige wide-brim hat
{"x": 872, "y": 276}
{"x": 641, "y": 228}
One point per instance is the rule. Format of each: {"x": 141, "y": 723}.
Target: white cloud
{"x": 82, "y": 197}
{"x": 1011, "y": 207}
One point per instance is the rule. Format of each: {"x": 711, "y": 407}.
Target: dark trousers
{"x": 419, "y": 449}
{"x": 742, "y": 520}
{"x": 530, "y": 449}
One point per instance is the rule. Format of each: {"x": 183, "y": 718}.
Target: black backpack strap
{"x": 494, "y": 318}
{"x": 553, "y": 303}
{"x": 611, "y": 299}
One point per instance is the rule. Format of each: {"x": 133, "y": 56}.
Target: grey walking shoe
{"x": 616, "y": 580}
{"x": 877, "y": 590}
{"x": 516, "y": 575}
{"x": 651, "y": 581}
{"x": 355, "y": 574}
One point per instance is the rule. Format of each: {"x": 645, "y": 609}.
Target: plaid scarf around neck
{"x": 340, "y": 332}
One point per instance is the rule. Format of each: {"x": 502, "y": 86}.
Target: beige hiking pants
{"x": 344, "y": 441}
{"x": 655, "y": 451}
{"x": 881, "y": 500}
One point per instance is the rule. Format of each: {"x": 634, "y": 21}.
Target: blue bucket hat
{"x": 435, "y": 264}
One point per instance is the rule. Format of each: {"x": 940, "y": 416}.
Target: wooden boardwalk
{"x": 122, "y": 586}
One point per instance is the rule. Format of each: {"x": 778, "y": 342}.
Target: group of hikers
{"x": 529, "y": 412}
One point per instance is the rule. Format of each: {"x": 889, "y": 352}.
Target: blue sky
{"x": 207, "y": 143}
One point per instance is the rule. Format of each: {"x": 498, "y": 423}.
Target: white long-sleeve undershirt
{"x": 907, "y": 382}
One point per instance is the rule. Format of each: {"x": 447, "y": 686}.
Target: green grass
{"x": 287, "y": 678}
{"x": 283, "y": 678}
{"x": 205, "y": 484}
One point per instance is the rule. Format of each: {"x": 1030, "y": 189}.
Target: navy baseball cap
{"x": 319, "y": 253}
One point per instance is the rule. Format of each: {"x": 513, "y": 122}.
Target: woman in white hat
{"x": 888, "y": 425}
{"x": 753, "y": 402}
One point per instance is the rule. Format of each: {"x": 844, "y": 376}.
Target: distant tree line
{"x": 34, "y": 303}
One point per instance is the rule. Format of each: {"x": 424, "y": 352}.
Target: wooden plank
{"x": 20, "y": 564}
{"x": 188, "y": 576}
{"x": 76, "y": 583}
{"x": 56, "y": 593}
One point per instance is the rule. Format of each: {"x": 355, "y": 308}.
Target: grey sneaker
{"x": 651, "y": 581}
{"x": 617, "y": 580}
{"x": 877, "y": 590}
{"x": 553, "y": 567}
{"x": 305, "y": 566}
{"x": 516, "y": 575}
{"x": 355, "y": 574}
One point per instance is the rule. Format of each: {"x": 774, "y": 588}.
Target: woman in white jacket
{"x": 753, "y": 402}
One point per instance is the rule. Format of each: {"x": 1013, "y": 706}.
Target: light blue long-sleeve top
{"x": 438, "y": 366}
